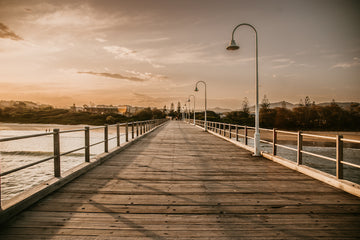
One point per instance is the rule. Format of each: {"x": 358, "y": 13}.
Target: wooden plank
{"x": 183, "y": 183}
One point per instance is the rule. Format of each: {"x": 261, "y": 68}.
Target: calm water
{"x": 21, "y": 152}
{"x": 351, "y": 155}
{"x": 18, "y": 153}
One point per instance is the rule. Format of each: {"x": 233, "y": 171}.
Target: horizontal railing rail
{"x": 131, "y": 129}
{"x": 235, "y": 132}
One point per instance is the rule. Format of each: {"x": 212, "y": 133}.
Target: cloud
{"x": 282, "y": 63}
{"x": 126, "y": 53}
{"x": 100, "y": 40}
{"x": 5, "y": 32}
{"x": 115, "y": 75}
{"x": 75, "y": 16}
{"x": 136, "y": 76}
{"x": 354, "y": 63}
{"x": 150, "y": 40}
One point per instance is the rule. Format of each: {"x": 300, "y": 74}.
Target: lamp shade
{"x": 233, "y": 45}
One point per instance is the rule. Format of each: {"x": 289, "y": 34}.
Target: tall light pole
{"x": 234, "y": 46}
{"x": 186, "y": 111}
{"x": 194, "y": 105}
{"x": 196, "y": 90}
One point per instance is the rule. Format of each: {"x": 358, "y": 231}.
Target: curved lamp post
{"x": 194, "y": 105}
{"x": 234, "y": 46}
{"x": 196, "y": 90}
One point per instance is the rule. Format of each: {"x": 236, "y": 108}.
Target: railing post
{"x": 132, "y": 130}
{"x": 230, "y": 131}
{"x": 87, "y": 144}
{"x": 106, "y": 138}
{"x": 246, "y": 135}
{"x": 57, "y": 172}
{"x": 118, "y": 134}
{"x": 127, "y": 132}
{"x": 141, "y": 128}
{"x": 339, "y": 157}
{"x": 299, "y": 148}
{"x": 274, "y": 141}
{"x": 137, "y": 129}
{"x": 237, "y": 133}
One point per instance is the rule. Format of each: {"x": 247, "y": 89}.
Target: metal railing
{"x": 132, "y": 129}
{"x": 235, "y": 132}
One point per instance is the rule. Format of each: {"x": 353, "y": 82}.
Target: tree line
{"x": 52, "y": 115}
{"x": 306, "y": 116}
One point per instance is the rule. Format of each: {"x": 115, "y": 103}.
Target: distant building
{"x": 125, "y": 110}
{"x": 101, "y": 109}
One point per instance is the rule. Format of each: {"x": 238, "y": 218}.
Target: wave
{"x": 37, "y": 153}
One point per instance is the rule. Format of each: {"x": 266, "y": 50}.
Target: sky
{"x": 152, "y": 52}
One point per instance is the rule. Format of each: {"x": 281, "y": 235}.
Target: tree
{"x": 245, "y": 105}
{"x": 157, "y": 113}
{"x": 267, "y": 115}
{"x": 179, "y": 107}
{"x": 144, "y": 114}
{"x": 265, "y": 104}
{"x": 307, "y": 101}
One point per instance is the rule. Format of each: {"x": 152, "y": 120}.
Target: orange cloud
{"x": 5, "y": 32}
{"x": 116, "y": 75}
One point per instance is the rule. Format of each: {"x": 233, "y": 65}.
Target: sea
{"x": 17, "y": 153}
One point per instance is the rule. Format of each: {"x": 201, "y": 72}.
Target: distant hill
{"x": 220, "y": 110}
{"x": 22, "y": 104}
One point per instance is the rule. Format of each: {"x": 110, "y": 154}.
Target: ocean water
{"x": 18, "y": 153}
{"x": 351, "y": 155}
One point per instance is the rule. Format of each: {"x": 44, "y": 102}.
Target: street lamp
{"x": 194, "y": 105}
{"x": 234, "y": 46}
{"x": 185, "y": 112}
{"x": 196, "y": 90}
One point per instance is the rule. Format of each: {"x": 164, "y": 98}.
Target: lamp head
{"x": 196, "y": 89}
{"x": 233, "y": 45}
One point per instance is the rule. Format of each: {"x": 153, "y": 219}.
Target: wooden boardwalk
{"x": 179, "y": 182}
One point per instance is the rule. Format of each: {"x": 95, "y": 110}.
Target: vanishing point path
{"x": 179, "y": 182}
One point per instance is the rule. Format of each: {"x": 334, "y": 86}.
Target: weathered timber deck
{"x": 182, "y": 183}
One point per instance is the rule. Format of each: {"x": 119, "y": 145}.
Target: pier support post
{"x": 87, "y": 144}
{"x": 339, "y": 157}
{"x": 299, "y": 148}
{"x": 127, "y": 132}
{"x": 106, "y": 138}
{"x": 118, "y": 134}
{"x": 57, "y": 172}
{"x": 246, "y": 135}
{"x": 237, "y": 133}
{"x": 137, "y": 129}
{"x": 274, "y": 142}
{"x": 132, "y": 130}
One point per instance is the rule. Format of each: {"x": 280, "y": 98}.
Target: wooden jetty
{"x": 180, "y": 182}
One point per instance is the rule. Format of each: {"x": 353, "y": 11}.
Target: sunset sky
{"x": 151, "y": 53}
